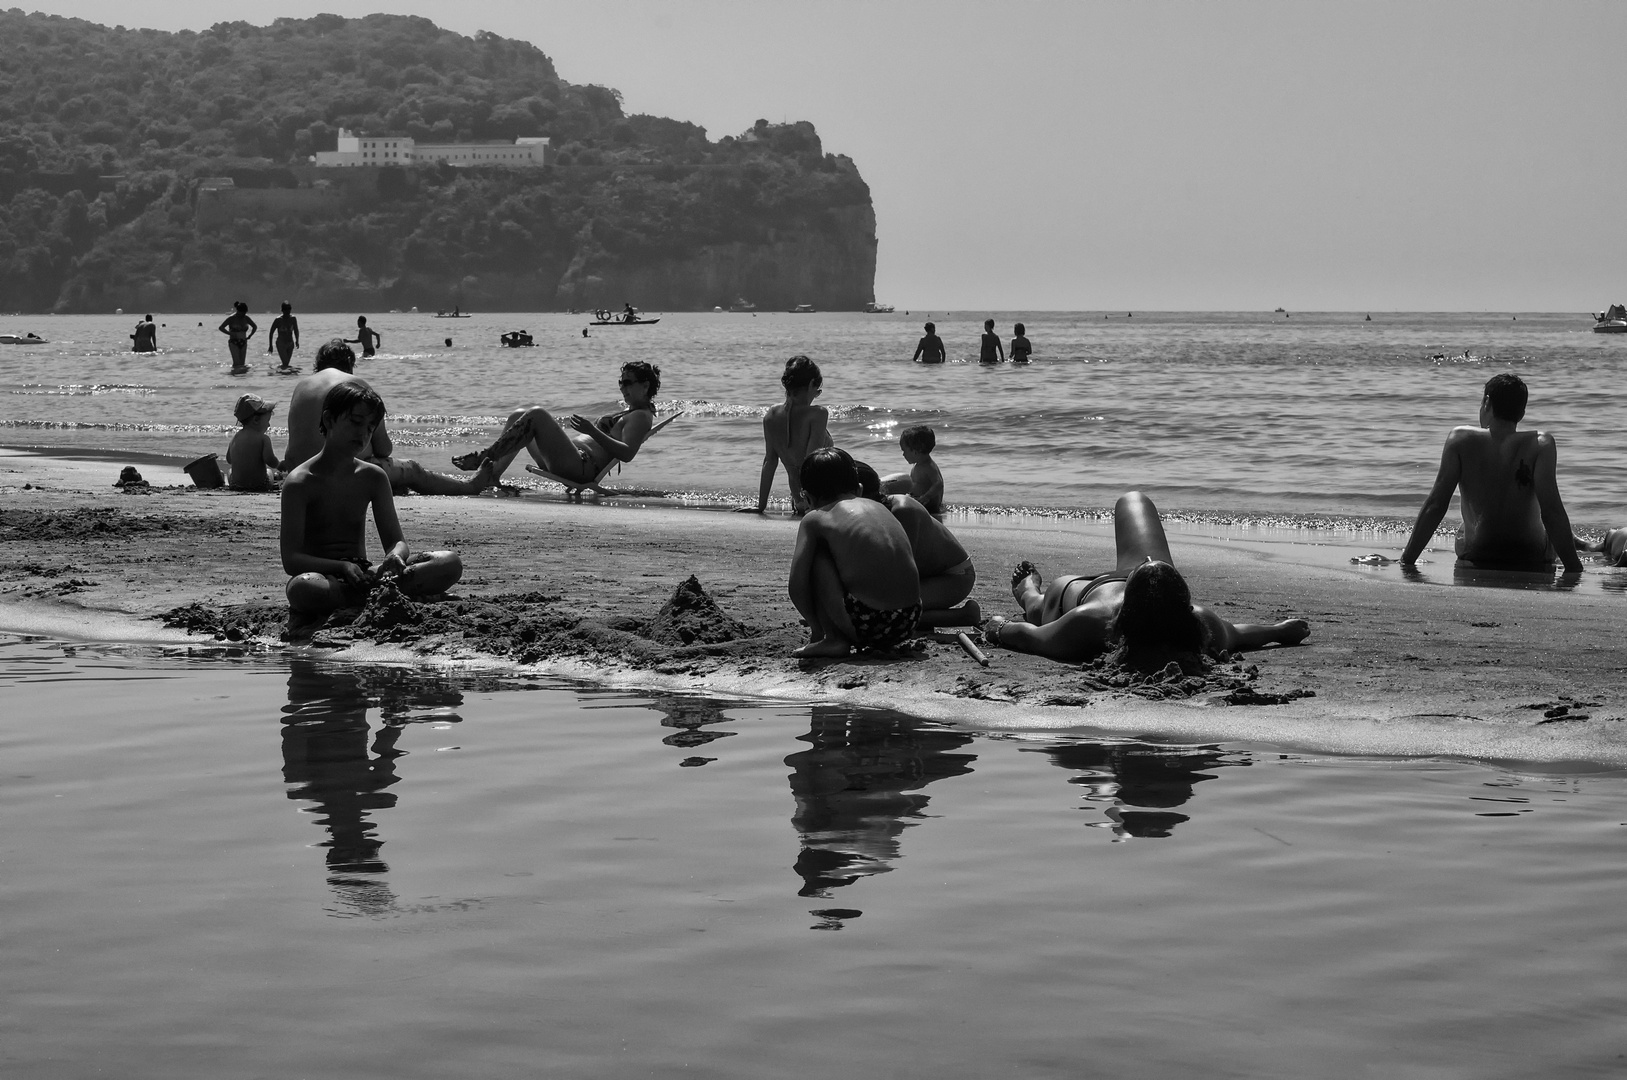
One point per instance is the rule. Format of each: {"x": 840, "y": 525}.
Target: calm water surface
{"x": 1252, "y": 415}
{"x": 221, "y": 867}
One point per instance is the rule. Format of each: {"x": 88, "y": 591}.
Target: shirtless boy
{"x": 324, "y": 521}
{"x": 368, "y": 338}
{"x": 792, "y": 431}
{"x": 924, "y": 481}
{"x": 284, "y": 334}
{"x": 990, "y": 350}
{"x": 929, "y": 350}
{"x": 249, "y": 456}
{"x": 1513, "y": 517}
{"x": 941, "y": 563}
{"x": 335, "y": 364}
{"x": 852, "y": 578}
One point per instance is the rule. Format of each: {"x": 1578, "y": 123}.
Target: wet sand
{"x": 1391, "y": 666}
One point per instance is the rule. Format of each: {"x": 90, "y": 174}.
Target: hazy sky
{"x": 1038, "y": 155}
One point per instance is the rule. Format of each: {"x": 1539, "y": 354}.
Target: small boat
{"x": 742, "y": 304}
{"x": 606, "y": 317}
{"x": 453, "y": 314}
{"x": 517, "y": 339}
{"x": 803, "y": 309}
{"x": 873, "y": 308}
{"x": 21, "y": 339}
{"x": 1612, "y": 320}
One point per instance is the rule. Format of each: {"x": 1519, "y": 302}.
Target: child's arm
{"x": 389, "y": 528}
{"x": 268, "y": 456}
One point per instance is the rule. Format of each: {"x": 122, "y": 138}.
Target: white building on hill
{"x": 403, "y": 150}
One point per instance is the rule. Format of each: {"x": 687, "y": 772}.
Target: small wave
{"x": 77, "y": 425}
{"x": 80, "y": 390}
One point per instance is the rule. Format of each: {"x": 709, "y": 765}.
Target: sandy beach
{"x": 1505, "y": 671}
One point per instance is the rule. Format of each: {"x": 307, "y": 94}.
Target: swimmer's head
{"x": 336, "y": 354}
{"x": 801, "y": 372}
{"x": 348, "y": 396}
{"x": 827, "y": 475}
{"x": 869, "y": 481}
{"x": 287, "y": 307}
{"x": 932, "y": 328}
{"x": 640, "y": 371}
{"x": 988, "y": 324}
{"x": 919, "y": 438}
{"x": 1506, "y": 394}
{"x": 361, "y": 320}
{"x": 241, "y": 307}
{"x": 1020, "y": 330}
{"x": 1156, "y": 622}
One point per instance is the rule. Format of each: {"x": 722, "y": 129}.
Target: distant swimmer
{"x": 991, "y": 351}
{"x": 1513, "y": 517}
{"x": 238, "y": 328}
{"x": 929, "y": 350}
{"x": 1020, "y": 348}
{"x": 368, "y": 338}
{"x": 146, "y": 336}
{"x": 283, "y": 335}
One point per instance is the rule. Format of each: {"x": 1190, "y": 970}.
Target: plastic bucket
{"x": 205, "y": 472}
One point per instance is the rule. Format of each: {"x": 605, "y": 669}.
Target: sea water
{"x": 229, "y": 865}
{"x": 1289, "y": 417}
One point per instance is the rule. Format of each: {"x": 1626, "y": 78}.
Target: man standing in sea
{"x": 1513, "y": 517}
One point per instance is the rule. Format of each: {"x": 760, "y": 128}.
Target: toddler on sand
{"x": 250, "y": 455}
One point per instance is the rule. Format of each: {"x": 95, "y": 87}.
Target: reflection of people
{"x": 793, "y": 430}
{"x": 854, "y": 790}
{"x": 1143, "y": 604}
{"x": 852, "y": 576}
{"x": 1150, "y": 779}
{"x": 582, "y": 452}
{"x": 145, "y": 339}
{"x": 327, "y": 760}
{"x": 335, "y": 364}
{"x": 1513, "y": 517}
{"x": 324, "y": 519}
{"x": 238, "y": 328}
{"x": 929, "y": 350}
{"x": 283, "y": 334}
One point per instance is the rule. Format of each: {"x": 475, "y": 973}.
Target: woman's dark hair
{"x": 644, "y": 373}
{"x": 348, "y": 395}
{"x": 869, "y": 481}
{"x": 828, "y": 474}
{"x": 799, "y": 372}
{"x": 1020, "y": 329}
{"x": 1157, "y": 617}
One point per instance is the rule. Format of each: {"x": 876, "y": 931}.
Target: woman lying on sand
{"x": 1144, "y": 605}
{"x": 581, "y": 453}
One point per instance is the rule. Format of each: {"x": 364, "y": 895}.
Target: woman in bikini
{"x": 579, "y": 448}
{"x": 238, "y": 328}
{"x": 1142, "y": 604}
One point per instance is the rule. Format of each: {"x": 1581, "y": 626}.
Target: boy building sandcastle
{"x": 792, "y": 431}
{"x": 924, "y": 481}
{"x": 250, "y": 456}
{"x": 853, "y": 578}
{"x": 324, "y": 521}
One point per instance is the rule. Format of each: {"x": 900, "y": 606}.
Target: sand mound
{"x": 1200, "y": 675}
{"x": 690, "y": 616}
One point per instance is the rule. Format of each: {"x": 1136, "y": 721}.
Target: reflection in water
{"x": 329, "y": 760}
{"x": 852, "y": 789}
{"x": 1143, "y": 775}
{"x": 691, "y": 716}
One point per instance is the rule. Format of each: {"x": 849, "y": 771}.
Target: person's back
{"x": 793, "y": 430}
{"x": 992, "y": 351}
{"x": 871, "y": 551}
{"x": 250, "y": 453}
{"x": 1020, "y": 348}
{"x": 1513, "y": 517}
{"x": 936, "y": 549}
{"x": 929, "y": 350}
{"x": 305, "y": 406}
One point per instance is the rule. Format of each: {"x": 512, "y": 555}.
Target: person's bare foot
{"x": 471, "y": 461}
{"x": 484, "y": 477}
{"x": 830, "y": 648}
{"x": 1024, "y": 580}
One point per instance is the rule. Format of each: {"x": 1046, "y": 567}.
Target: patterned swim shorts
{"x": 874, "y": 629}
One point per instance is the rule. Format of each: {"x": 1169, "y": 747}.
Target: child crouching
{"x": 324, "y": 521}
{"x": 853, "y": 578}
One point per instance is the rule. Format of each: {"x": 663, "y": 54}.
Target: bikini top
{"x": 608, "y": 421}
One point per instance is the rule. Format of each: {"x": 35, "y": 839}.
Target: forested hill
{"x": 108, "y": 136}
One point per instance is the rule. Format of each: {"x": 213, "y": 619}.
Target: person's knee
{"x": 1131, "y": 499}
{"x": 311, "y": 593}
{"x": 432, "y": 572}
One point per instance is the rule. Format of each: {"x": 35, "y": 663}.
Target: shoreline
{"x": 1489, "y": 671}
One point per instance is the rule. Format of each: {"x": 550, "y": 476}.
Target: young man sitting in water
{"x": 324, "y": 521}
{"x": 944, "y": 568}
{"x": 1513, "y": 517}
{"x": 853, "y": 578}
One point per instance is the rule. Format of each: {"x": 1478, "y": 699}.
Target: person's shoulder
{"x": 1466, "y": 433}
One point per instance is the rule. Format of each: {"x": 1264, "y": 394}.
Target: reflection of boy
{"x": 793, "y": 430}
{"x": 250, "y": 454}
{"x": 324, "y": 520}
{"x": 924, "y": 481}
{"x": 852, "y": 577}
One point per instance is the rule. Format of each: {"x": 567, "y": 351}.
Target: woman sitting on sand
{"x": 1143, "y": 605}
{"x": 582, "y": 452}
